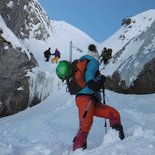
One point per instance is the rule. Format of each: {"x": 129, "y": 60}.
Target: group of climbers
{"x": 106, "y": 54}
{"x": 56, "y": 54}
{"x": 88, "y": 98}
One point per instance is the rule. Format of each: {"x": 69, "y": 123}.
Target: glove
{"x": 94, "y": 85}
{"x": 103, "y": 78}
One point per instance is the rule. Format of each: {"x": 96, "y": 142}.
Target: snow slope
{"x": 48, "y": 128}
{"x": 60, "y": 37}
{"x": 139, "y": 24}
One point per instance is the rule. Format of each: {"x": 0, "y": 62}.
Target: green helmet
{"x": 64, "y": 70}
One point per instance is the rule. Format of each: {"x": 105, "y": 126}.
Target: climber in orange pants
{"x": 94, "y": 81}
{"x": 88, "y": 95}
{"x": 96, "y": 109}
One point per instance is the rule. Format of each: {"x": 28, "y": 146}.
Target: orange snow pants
{"x": 96, "y": 109}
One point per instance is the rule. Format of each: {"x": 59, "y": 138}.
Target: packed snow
{"x": 49, "y": 127}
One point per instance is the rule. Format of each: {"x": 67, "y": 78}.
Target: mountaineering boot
{"x": 80, "y": 141}
{"x": 119, "y": 128}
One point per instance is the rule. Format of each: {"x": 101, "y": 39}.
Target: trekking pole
{"x": 105, "y": 124}
{"x": 70, "y": 51}
{"x": 103, "y": 93}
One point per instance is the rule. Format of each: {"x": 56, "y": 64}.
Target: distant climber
{"x": 106, "y": 55}
{"x": 56, "y": 56}
{"x": 110, "y": 53}
{"x": 47, "y": 54}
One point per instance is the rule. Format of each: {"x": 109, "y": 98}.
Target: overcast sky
{"x": 97, "y": 18}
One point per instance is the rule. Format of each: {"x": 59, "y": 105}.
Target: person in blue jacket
{"x": 89, "y": 98}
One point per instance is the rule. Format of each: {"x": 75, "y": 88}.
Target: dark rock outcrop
{"x": 144, "y": 84}
{"x": 14, "y": 84}
{"x": 26, "y": 19}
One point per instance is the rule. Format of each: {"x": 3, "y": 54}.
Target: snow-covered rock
{"x": 132, "y": 65}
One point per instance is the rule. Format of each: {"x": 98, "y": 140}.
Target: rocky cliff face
{"x": 25, "y": 18}
{"x": 144, "y": 84}
{"x": 14, "y": 84}
{"x": 136, "y": 73}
